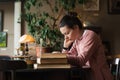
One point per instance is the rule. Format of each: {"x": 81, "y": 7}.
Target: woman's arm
{"x": 87, "y": 46}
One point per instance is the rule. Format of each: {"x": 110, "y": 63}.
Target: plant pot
{"x": 30, "y": 63}
{"x": 44, "y": 50}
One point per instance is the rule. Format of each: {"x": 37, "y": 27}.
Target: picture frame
{"x": 91, "y": 5}
{"x": 113, "y": 6}
{"x": 1, "y": 20}
{"x": 3, "y": 39}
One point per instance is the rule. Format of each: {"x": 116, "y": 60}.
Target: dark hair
{"x": 70, "y": 20}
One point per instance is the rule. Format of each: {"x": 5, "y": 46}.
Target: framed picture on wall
{"x": 114, "y": 6}
{"x": 91, "y": 5}
{"x": 3, "y": 39}
{"x": 1, "y": 20}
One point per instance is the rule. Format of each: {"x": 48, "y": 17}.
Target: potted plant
{"x": 42, "y": 23}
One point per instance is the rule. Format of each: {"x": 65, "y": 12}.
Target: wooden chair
{"x": 11, "y": 66}
{"x": 5, "y": 57}
{"x": 119, "y": 71}
{"x": 114, "y": 65}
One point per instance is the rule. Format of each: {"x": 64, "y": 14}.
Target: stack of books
{"x": 52, "y": 60}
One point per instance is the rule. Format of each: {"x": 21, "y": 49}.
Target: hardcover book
{"x": 49, "y": 58}
{"x": 38, "y": 66}
{"x": 53, "y": 55}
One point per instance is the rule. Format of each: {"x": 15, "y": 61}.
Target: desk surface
{"x": 53, "y": 69}
{"x": 21, "y": 56}
{"x": 53, "y": 74}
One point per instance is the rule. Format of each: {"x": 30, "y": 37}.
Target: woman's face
{"x": 70, "y": 33}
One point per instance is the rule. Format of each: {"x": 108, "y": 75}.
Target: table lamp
{"x": 26, "y": 38}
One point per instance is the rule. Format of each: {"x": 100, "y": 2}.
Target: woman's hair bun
{"x": 73, "y": 14}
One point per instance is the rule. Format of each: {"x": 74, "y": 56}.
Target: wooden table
{"x": 21, "y": 57}
{"x": 53, "y": 74}
{"x": 73, "y": 73}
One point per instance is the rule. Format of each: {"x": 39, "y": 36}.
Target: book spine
{"x": 38, "y": 60}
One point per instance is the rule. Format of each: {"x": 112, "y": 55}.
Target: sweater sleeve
{"x": 83, "y": 50}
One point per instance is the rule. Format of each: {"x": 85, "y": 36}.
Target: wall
{"x": 109, "y": 23}
{"x": 8, "y": 26}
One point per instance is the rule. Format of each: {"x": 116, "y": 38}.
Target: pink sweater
{"x": 88, "y": 50}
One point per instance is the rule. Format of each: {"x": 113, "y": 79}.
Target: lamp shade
{"x": 26, "y": 38}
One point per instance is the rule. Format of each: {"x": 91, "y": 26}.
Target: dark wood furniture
{"x": 54, "y": 74}
{"x": 10, "y": 66}
{"x": 114, "y": 64}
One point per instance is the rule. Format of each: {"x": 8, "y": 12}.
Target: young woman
{"x": 87, "y": 48}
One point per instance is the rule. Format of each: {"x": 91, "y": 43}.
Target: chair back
{"x": 12, "y": 65}
{"x": 118, "y": 76}
{"x": 114, "y": 65}
{"x": 5, "y": 57}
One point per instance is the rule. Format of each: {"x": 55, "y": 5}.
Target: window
{"x": 3, "y": 39}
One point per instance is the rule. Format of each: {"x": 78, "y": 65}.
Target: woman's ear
{"x": 76, "y": 27}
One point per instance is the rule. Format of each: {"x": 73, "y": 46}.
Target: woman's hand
{"x": 67, "y": 43}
